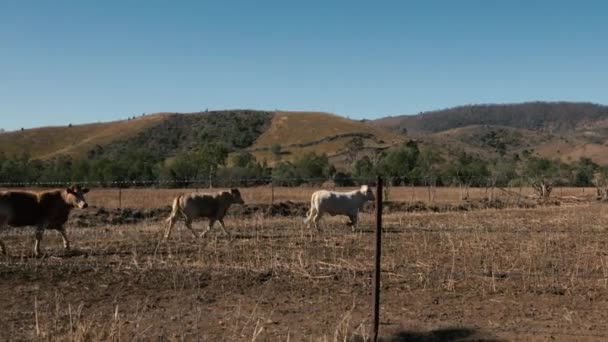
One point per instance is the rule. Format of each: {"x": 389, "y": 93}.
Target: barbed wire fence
{"x": 425, "y": 189}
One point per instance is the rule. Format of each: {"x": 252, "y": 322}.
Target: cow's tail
{"x": 176, "y": 208}
{"x": 311, "y": 211}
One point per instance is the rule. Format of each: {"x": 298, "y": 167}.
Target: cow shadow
{"x": 449, "y": 334}
{"x": 50, "y": 254}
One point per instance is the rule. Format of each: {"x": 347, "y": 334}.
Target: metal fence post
{"x": 377, "y": 261}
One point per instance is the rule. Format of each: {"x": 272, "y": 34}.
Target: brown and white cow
{"x": 195, "y": 205}
{"x": 45, "y": 210}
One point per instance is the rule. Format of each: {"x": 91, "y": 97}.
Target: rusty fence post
{"x": 377, "y": 261}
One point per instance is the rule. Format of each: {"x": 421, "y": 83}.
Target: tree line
{"x": 408, "y": 164}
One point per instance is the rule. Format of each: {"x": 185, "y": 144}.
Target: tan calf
{"x": 211, "y": 206}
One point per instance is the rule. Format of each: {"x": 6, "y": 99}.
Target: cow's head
{"x": 75, "y": 196}
{"x": 236, "y": 196}
{"x": 367, "y": 193}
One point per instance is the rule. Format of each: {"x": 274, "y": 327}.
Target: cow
{"x": 195, "y": 205}
{"x": 338, "y": 203}
{"x": 45, "y": 210}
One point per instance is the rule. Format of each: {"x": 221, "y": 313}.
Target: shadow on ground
{"x": 455, "y": 334}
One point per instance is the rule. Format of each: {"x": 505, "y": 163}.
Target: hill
{"x": 235, "y": 129}
{"x": 301, "y": 132}
{"x": 558, "y": 130}
{"x": 548, "y": 116}
{"x": 163, "y": 135}
{"x": 561, "y": 130}
{"x": 76, "y": 140}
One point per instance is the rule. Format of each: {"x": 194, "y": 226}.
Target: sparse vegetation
{"x": 276, "y": 279}
{"x": 557, "y": 117}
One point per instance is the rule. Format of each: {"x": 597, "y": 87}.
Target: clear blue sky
{"x": 87, "y": 61}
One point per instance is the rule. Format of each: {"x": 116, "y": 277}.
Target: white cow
{"x": 338, "y": 203}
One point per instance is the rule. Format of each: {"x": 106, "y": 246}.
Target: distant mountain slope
{"x": 302, "y": 132}
{"x": 236, "y": 129}
{"x": 161, "y": 136}
{"x": 550, "y": 116}
{"x": 557, "y": 130}
{"x": 76, "y": 140}
{"x": 563, "y": 130}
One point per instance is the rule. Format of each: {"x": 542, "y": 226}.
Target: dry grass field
{"x": 537, "y": 274}
{"x": 155, "y": 198}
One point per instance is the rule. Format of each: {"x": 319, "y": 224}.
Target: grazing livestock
{"x": 45, "y": 210}
{"x": 338, "y": 203}
{"x": 211, "y": 206}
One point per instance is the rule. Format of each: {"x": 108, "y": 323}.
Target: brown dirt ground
{"x": 534, "y": 274}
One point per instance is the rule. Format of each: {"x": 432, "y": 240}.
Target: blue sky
{"x": 87, "y": 61}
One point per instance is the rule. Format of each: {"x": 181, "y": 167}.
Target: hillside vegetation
{"x": 313, "y": 132}
{"x": 234, "y": 129}
{"x": 74, "y": 141}
{"x": 552, "y": 116}
{"x": 562, "y": 130}
{"x": 512, "y": 144}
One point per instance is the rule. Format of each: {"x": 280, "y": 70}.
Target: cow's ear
{"x": 69, "y": 190}
{"x": 85, "y": 190}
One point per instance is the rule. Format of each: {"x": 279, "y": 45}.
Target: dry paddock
{"x": 149, "y": 198}
{"x": 511, "y": 274}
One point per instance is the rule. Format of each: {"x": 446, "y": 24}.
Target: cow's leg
{"x": 315, "y": 219}
{"x": 39, "y": 233}
{"x": 2, "y": 245}
{"x": 353, "y": 221}
{"x": 211, "y": 222}
{"x": 223, "y": 227}
{"x": 64, "y": 236}
{"x": 189, "y": 225}
{"x": 309, "y": 216}
{"x": 172, "y": 219}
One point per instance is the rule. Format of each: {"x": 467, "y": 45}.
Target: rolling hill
{"x": 302, "y": 132}
{"x": 76, "y": 140}
{"x": 557, "y": 130}
{"x": 166, "y": 134}
{"x": 561, "y": 130}
{"x": 547, "y": 116}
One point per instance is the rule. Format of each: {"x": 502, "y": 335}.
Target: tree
{"x": 585, "y": 170}
{"x": 397, "y": 164}
{"x": 199, "y": 164}
{"x": 313, "y": 167}
{"x": 243, "y": 159}
{"x": 364, "y": 170}
{"x": 285, "y": 174}
{"x": 541, "y": 174}
{"x": 343, "y": 179}
{"x": 428, "y": 165}
{"x": 353, "y": 148}
{"x": 276, "y": 151}
{"x": 468, "y": 170}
